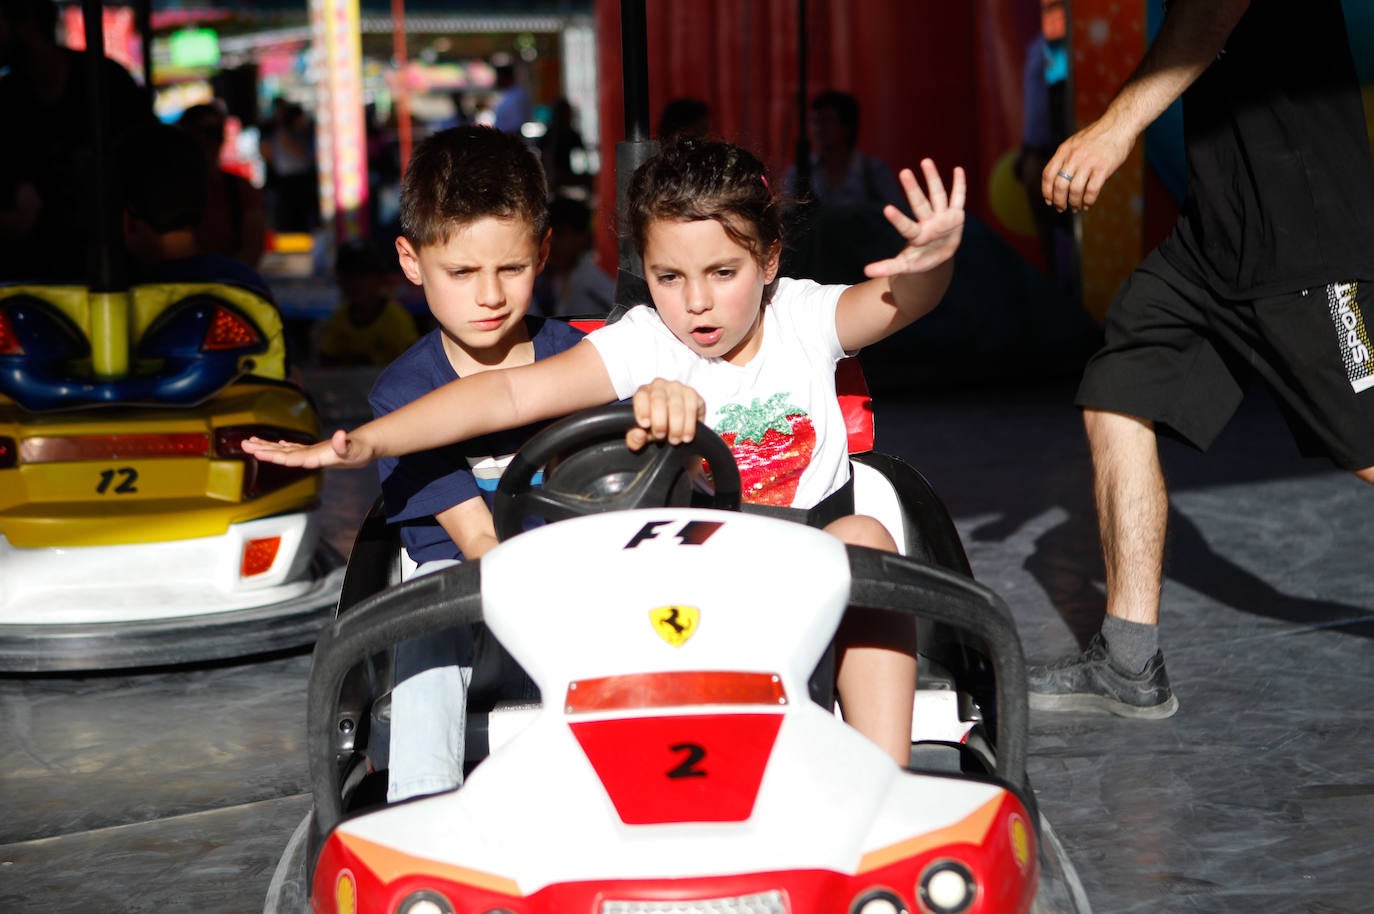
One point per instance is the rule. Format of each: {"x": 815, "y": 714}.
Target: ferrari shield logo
{"x": 675, "y": 624}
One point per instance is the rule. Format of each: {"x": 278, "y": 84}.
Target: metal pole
{"x": 143, "y": 14}
{"x": 630, "y": 287}
{"x": 107, "y": 272}
{"x": 634, "y": 56}
{"x": 803, "y": 147}
{"x": 398, "y": 53}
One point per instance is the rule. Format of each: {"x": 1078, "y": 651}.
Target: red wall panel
{"x": 913, "y": 65}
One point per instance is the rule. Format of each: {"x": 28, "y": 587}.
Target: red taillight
{"x": 258, "y": 555}
{"x": 670, "y": 690}
{"x": 9, "y": 342}
{"x": 114, "y": 447}
{"x": 9, "y": 454}
{"x": 229, "y": 330}
{"x": 260, "y": 478}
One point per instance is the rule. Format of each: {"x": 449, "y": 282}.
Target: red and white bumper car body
{"x": 678, "y": 762}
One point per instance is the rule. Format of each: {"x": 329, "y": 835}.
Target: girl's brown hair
{"x": 693, "y": 179}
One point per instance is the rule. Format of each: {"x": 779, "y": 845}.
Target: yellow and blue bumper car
{"x": 134, "y": 531}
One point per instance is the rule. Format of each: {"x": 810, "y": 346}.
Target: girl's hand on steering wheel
{"x": 665, "y": 411}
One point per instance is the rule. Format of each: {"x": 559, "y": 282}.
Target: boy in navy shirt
{"x": 474, "y": 235}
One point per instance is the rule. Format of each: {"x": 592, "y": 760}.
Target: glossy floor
{"x": 175, "y": 790}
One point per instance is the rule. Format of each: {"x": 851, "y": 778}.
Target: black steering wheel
{"x": 589, "y": 470}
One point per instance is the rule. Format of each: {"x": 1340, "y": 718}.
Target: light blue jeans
{"x": 429, "y": 704}
{"x": 429, "y": 707}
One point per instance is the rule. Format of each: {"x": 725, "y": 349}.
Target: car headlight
{"x": 878, "y": 901}
{"x": 424, "y": 902}
{"x": 345, "y": 894}
{"x": 947, "y": 887}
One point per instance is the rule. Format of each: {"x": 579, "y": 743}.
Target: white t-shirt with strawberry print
{"x": 778, "y": 413}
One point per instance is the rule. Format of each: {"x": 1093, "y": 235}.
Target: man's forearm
{"x": 1192, "y": 35}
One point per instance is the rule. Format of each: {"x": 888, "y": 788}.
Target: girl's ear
{"x": 770, "y": 266}
{"x": 410, "y": 262}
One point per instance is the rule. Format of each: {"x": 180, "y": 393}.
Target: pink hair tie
{"x": 764, "y": 179}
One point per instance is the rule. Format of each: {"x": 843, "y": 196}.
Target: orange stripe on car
{"x": 972, "y": 829}
{"x": 390, "y": 864}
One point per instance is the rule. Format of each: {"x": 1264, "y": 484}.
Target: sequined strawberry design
{"x": 772, "y": 442}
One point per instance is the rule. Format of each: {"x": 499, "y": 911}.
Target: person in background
{"x": 558, "y": 147}
{"x": 235, "y": 219}
{"x": 837, "y": 221}
{"x": 369, "y": 327}
{"x": 288, "y": 148}
{"x": 47, "y": 155}
{"x": 572, "y": 285}
{"x": 514, "y": 108}
{"x": 163, "y": 181}
{"x": 1044, "y": 125}
{"x": 841, "y": 175}
{"x": 683, "y": 117}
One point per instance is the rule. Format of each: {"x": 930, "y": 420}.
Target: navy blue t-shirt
{"x": 418, "y": 486}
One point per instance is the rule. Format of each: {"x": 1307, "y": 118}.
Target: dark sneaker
{"x": 1089, "y": 682}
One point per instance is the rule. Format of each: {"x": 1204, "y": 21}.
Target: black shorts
{"x": 1178, "y": 355}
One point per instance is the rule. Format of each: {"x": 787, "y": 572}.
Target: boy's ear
{"x": 410, "y": 262}
{"x": 544, "y": 250}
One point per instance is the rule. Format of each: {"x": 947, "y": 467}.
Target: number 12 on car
{"x": 121, "y": 481}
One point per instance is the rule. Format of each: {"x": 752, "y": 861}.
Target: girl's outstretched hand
{"x": 934, "y": 235}
{"x": 665, "y": 411}
{"x": 341, "y": 450}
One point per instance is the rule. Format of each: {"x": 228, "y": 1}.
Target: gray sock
{"x": 1130, "y": 644}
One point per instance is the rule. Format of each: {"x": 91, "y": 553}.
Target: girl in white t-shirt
{"x": 725, "y": 341}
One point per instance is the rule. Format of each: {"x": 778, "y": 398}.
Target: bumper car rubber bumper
{"x": 159, "y": 604}
{"x": 292, "y": 623}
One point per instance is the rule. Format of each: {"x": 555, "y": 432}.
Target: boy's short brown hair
{"x": 463, "y": 174}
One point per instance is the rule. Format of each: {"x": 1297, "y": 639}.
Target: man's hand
{"x": 1074, "y": 176}
{"x": 1192, "y": 35}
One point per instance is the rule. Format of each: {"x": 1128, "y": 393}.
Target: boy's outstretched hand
{"x": 665, "y": 411}
{"x": 934, "y": 235}
{"x": 341, "y": 450}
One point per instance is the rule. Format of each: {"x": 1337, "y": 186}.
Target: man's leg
{"x": 1122, "y": 671}
{"x": 1132, "y": 512}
